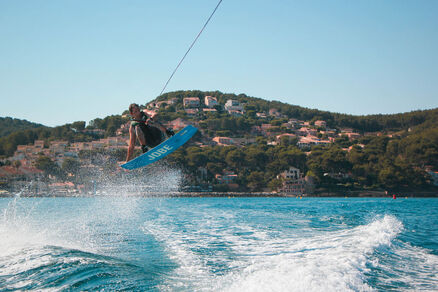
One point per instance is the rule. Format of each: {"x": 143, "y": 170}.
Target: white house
{"x": 233, "y": 105}
{"x": 210, "y": 101}
{"x": 293, "y": 182}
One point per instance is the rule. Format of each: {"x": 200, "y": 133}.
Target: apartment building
{"x": 321, "y": 124}
{"x": 223, "y": 141}
{"x": 233, "y": 105}
{"x": 210, "y": 101}
{"x": 293, "y": 182}
{"x": 191, "y": 102}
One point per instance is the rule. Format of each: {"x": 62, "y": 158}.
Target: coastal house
{"x": 25, "y": 162}
{"x": 38, "y": 144}
{"x": 210, "y": 101}
{"x": 287, "y": 126}
{"x": 22, "y": 151}
{"x": 233, "y": 105}
{"x": 227, "y": 177}
{"x": 235, "y": 113}
{"x": 371, "y": 134}
{"x": 346, "y": 130}
{"x": 28, "y": 153}
{"x": 163, "y": 103}
{"x": 274, "y": 112}
{"x": 191, "y": 111}
{"x": 305, "y": 131}
{"x": 266, "y": 127}
{"x": 191, "y": 102}
{"x": 329, "y": 133}
{"x": 58, "y": 146}
{"x": 114, "y": 142}
{"x": 124, "y": 129}
{"x": 292, "y": 173}
{"x": 350, "y": 135}
{"x": 309, "y": 141}
{"x": 209, "y": 110}
{"x": 95, "y": 145}
{"x": 12, "y": 172}
{"x": 223, "y": 141}
{"x": 63, "y": 188}
{"x": 295, "y": 123}
{"x": 293, "y": 183}
{"x": 78, "y": 146}
{"x": 321, "y": 124}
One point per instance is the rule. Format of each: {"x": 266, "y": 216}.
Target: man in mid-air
{"x": 143, "y": 128}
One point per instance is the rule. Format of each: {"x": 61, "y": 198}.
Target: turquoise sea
{"x": 113, "y": 243}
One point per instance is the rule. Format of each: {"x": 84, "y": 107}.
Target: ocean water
{"x": 110, "y": 243}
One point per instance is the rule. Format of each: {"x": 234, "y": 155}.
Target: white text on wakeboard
{"x": 160, "y": 152}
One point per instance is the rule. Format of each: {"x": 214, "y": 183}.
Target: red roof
{"x": 12, "y": 171}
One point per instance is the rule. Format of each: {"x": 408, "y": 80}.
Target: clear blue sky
{"x": 63, "y": 61}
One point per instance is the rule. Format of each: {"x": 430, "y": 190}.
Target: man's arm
{"x": 150, "y": 113}
{"x": 131, "y": 146}
{"x": 152, "y": 122}
{"x": 157, "y": 124}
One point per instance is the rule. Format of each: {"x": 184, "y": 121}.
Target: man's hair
{"x": 132, "y": 106}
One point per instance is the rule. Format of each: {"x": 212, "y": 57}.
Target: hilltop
{"x": 252, "y": 105}
{"x": 9, "y": 125}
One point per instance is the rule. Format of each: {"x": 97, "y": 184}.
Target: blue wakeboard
{"x": 162, "y": 150}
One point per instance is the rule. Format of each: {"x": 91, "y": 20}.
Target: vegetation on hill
{"x": 75, "y": 132}
{"x": 396, "y": 156}
{"x": 383, "y": 163}
{"x": 362, "y": 124}
{"x": 9, "y": 125}
{"x": 392, "y": 162}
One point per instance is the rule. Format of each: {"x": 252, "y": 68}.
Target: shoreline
{"x": 351, "y": 194}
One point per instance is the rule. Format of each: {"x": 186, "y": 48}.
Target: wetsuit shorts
{"x": 152, "y": 135}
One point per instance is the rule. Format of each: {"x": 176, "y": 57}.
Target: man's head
{"x": 134, "y": 110}
{"x": 133, "y": 107}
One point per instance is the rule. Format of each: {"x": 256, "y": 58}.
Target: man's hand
{"x": 150, "y": 113}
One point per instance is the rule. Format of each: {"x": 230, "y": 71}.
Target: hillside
{"x": 365, "y": 123}
{"x": 75, "y": 132}
{"x": 396, "y": 151}
{"x": 265, "y": 138}
{"x": 9, "y": 125}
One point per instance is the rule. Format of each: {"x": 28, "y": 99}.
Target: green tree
{"x": 79, "y": 126}
{"x": 256, "y": 180}
{"x": 255, "y": 158}
{"x": 48, "y": 166}
{"x": 71, "y": 165}
{"x": 235, "y": 158}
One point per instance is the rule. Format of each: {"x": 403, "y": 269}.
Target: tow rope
{"x": 173, "y": 73}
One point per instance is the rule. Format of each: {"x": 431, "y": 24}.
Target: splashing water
{"x": 217, "y": 244}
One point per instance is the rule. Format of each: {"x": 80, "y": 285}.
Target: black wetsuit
{"x": 152, "y": 134}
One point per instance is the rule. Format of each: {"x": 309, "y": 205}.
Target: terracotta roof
{"x": 12, "y": 171}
